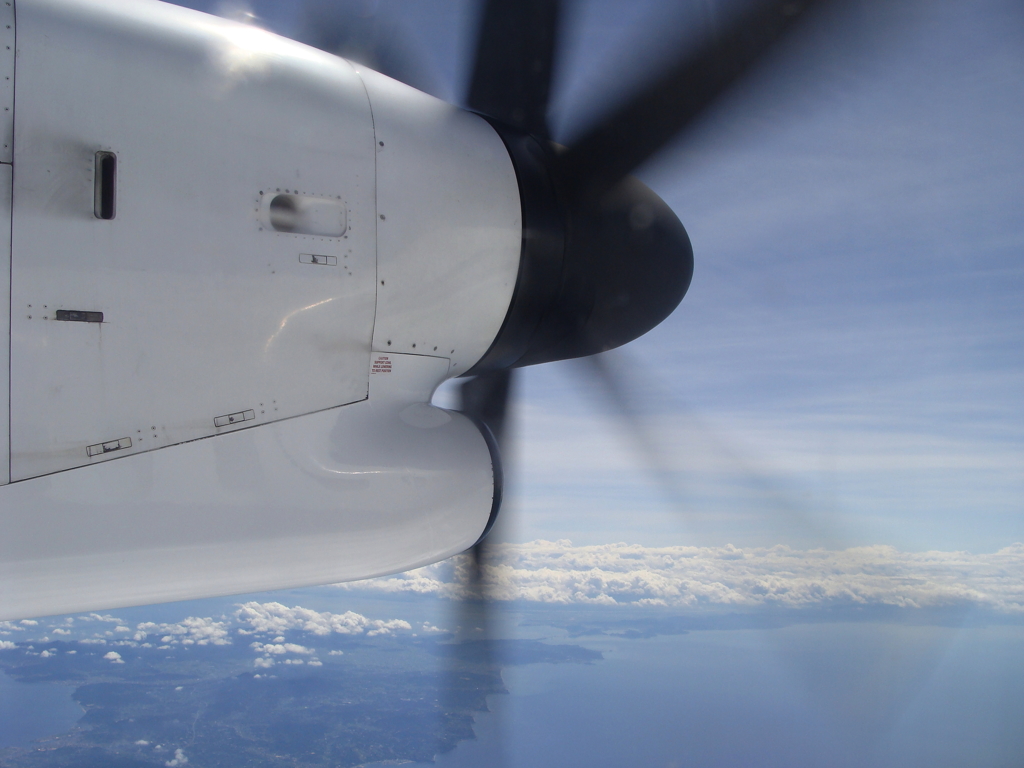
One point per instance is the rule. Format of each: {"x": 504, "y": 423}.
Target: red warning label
{"x": 381, "y": 364}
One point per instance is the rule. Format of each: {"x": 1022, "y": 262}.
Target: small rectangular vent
{"x": 105, "y": 191}
{"x": 234, "y": 418}
{"x": 109, "y": 447}
{"x": 315, "y": 258}
{"x": 79, "y": 316}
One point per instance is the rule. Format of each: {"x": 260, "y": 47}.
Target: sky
{"x": 846, "y": 368}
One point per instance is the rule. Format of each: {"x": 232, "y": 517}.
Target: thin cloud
{"x": 280, "y": 648}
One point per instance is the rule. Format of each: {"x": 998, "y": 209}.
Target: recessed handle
{"x": 105, "y": 192}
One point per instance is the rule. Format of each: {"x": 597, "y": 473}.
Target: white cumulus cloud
{"x": 615, "y": 574}
{"x": 97, "y": 617}
{"x": 179, "y": 759}
{"x": 190, "y": 631}
{"x": 279, "y": 649}
{"x": 275, "y": 618}
{"x": 7, "y": 645}
{"x": 113, "y": 657}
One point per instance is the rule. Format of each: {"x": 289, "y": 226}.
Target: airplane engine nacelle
{"x": 238, "y": 269}
{"x": 376, "y": 487}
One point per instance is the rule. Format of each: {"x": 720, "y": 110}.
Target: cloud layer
{"x": 266, "y": 624}
{"x": 691, "y": 577}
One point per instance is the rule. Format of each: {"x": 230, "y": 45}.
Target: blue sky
{"x": 847, "y": 366}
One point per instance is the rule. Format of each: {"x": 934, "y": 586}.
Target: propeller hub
{"x": 598, "y": 268}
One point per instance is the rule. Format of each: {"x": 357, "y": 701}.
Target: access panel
{"x": 193, "y": 231}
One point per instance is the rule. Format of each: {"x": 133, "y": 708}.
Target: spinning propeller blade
{"x": 674, "y": 100}
{"x": 515, "y": 55}
{"x": 625, "y": 261}
{"x": 625, "y": 396}
{"x": 484, "y": 398}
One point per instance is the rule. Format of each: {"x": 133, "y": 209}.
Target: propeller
{"x": 515, "y": 56}
{"x": 604, "y": 259}
{"x": 674, "y": 100}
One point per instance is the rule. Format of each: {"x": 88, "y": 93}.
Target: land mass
{"x": 368, "y": 700}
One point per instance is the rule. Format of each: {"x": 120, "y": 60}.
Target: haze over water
{"x": 844, "y": 694}
{"x": 30, "y": 711}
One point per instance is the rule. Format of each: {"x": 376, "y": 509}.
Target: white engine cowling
{"x": 218, "y": 233}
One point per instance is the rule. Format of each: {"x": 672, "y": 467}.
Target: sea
{"x": 30, "y": 711}
{"x": 805, "y": 695}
